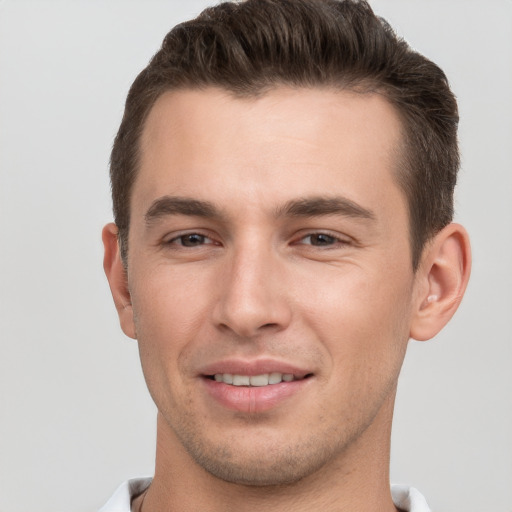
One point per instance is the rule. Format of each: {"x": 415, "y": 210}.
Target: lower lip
{"x": 253, "y": 399}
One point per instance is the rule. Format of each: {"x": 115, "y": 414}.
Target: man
{"x": 283, "y": 193}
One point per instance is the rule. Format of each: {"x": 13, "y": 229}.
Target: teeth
{"x": 275, "y": 378}
{"x": 259, "y": 380}
{"x": 254, "y": 380}
{"x": 241, "y": 380}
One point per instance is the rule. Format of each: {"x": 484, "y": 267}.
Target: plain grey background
{"x": 75, "y": 416}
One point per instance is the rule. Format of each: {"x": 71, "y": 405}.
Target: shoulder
{"x": 409, "y": 499}
{"x": 121, "y": 500}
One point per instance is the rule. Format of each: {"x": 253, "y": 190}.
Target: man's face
{"x": 269, "y": 239}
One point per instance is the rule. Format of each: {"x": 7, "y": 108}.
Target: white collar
{"x": 406, "y": 498}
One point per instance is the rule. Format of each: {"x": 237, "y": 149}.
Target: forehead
{"x": 286, "y": 142}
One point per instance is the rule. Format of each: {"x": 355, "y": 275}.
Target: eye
{"x": 320, "y": 240}
{"x": 190, "y": 240}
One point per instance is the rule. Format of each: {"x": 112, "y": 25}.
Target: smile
{"x": 266, "y": 379}
{"x": 251, "y": 391}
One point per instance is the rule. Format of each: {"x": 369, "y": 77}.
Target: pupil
{"x": 192, "y": 240}
{"x": 322, "y": 239}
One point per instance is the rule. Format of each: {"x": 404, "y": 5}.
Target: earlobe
{"x": 441, "y": 281}
{"x": 117, "y": 279}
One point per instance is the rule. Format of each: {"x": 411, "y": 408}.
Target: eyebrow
{"x": 173, "y": 205}
{"x": 320, "y": 206}
{"x": 304, "y": 207}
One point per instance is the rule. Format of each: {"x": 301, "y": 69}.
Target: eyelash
{"x": 332, "y": 241}
{"x": 174, "y": 240}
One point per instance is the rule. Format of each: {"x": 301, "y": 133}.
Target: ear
{"x": 117, "y": 279}
{"x": 441, "y": 281}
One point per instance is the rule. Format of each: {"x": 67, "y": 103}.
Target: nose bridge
{"x": 252, "y": 291}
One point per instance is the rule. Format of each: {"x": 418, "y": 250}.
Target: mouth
{"x": 262, "y": 380}
{"x": 254, "y": 387}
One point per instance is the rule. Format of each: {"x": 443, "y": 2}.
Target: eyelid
{"x": 339, "y": 238}
{"x": 173, "y": 237}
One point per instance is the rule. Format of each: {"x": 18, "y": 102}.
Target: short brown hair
{"x": 252, "y": 46}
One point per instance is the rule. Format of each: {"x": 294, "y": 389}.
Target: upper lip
{"x": 253, "y": 367}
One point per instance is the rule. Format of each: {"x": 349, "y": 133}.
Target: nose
{"x": 253, "y": 296}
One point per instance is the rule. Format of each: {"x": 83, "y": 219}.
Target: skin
{"x": 332, "y": 293}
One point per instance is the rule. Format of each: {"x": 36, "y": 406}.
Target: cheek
{"x": 362, "y": 316}
{"x": 166, "y": 320}
{"x": 362, "y": 325}
{"x": 169, "y": 315}
{"x": 167, "y": 303}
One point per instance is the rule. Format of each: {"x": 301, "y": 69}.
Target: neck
{"x": 358, "y": 479}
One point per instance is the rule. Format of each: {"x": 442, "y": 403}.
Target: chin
{"x": 264, "y": 462}
{"x": 259, "y": 472}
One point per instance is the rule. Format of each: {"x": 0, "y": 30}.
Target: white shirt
{"x": 404, "y": 497}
